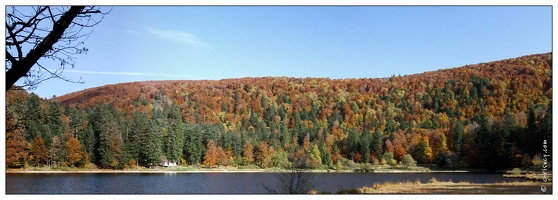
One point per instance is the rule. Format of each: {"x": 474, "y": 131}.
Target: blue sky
{"x": 194, "y": 42}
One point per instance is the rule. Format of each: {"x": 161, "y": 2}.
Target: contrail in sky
{"x": 125, "y": 73}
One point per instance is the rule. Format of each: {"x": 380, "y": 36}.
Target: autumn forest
{"x": 485, "y": 116}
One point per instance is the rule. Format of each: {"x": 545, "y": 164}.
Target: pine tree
{"x": 152, "y": 144}
{"x": 546, "y": 131}
{"x": 109, "y": 143}
{"x": 326, "y": 156}
{"x": 193, "y": 143}
{"x": 458, "y": 140}
{"x": 34, "y": 119}
{"x": 174, "y": 141}
{"x": 140, "y": 128}
{"x": 377, "y": 143}
{"x": 54, "y": 118}
{"x": 365, "y": 147}
{"x": 354, "y": 142}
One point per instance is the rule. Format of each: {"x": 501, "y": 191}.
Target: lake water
{"x": 212, "y": 183}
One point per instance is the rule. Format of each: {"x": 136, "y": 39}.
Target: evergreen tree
{"x": 89, "y": 140}
{"x": 377, "y": 143}
{"x": 354, "y": 142}
{"x": 485, "y": 141}
{"x": 326, "y": 156}
{"x": 34, "y": 119}
{"x": 546, "y": 130}
{"x": 365, "y": 147}
{"x": 458, "y": 137}
{"x": 152, "y": 144}
{"x": 193, "y": 143}
{"x": 140, "y": 128}
{"x": 54, "y": 118}
{"x": 174, "y": 141}
{"x": 109, "y": 144}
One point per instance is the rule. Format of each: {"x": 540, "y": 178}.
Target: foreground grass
{"x": 437, "y": 187}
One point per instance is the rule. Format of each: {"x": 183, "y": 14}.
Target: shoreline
{"x": 212, "y": 171}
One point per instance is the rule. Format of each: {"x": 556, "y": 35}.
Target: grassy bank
{"x": 437, "y": 187}
{"x": 198, "y": 169}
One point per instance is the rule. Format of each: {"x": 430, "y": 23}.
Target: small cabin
{"x": 167, "y": 163}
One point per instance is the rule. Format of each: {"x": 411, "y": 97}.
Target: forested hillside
{"x": 490, "y": 115}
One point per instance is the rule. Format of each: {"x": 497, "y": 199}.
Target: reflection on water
{"x": 211, "y": 183}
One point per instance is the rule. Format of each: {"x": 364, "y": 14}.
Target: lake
{"x": 212, "y": 183}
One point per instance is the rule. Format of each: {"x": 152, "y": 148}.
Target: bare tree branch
{"x": 10, "y": 57}
{"x": 48, "y": 32}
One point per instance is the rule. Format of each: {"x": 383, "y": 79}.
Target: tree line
{"x": 490, "y": 115}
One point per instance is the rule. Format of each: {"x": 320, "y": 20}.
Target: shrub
{"x": 388, "y": 156}
{"x": 409, "y": 161}
{"x": 537, "y": 161}
{"x": 516, "y": 171}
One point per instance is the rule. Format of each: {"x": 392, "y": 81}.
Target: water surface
{"x": 212, "y": 183}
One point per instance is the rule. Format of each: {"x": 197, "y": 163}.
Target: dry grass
{"x": 437, "y": 187}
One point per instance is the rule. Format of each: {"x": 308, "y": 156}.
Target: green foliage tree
{"x": 388, "y": 157}
{"x": 326, "y": 156}
{"x": 485, "y": 142}
{"x": 193, "y": 143}
{"x": 354, "y": 142}
{"x": 546, "y": 130}
{"x": 408, "y": 161}
{"x": 140, "y": 128}
{"x": 441, "y": 159}
{"x": 174, "y": 140}
{"x": 458, "y": 137}
{"x": 423, "y": 151}
{"x": 377, "y": 143}
{"x": 280, "y": 159}
{"x": 109, "y": 144}
{"x": 152, "y": 144}
{"x": 54, "y": 118}
{"x": 34, "y": 116}
{"x": 315, "y": 157}
{"x": 365, "y": 147}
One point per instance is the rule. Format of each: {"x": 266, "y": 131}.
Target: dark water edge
{"x": 214, "y": 183}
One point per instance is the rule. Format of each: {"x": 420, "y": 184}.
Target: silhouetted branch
{"x": 59, "y": 37}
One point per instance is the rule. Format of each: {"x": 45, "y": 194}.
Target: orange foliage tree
{"x": 38, "y": 151}
{"x": 248, "y": 153}
{"x": 211, "y": 155}
{"x": 263, "y": 155}
{"x": 74, "y": 153}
